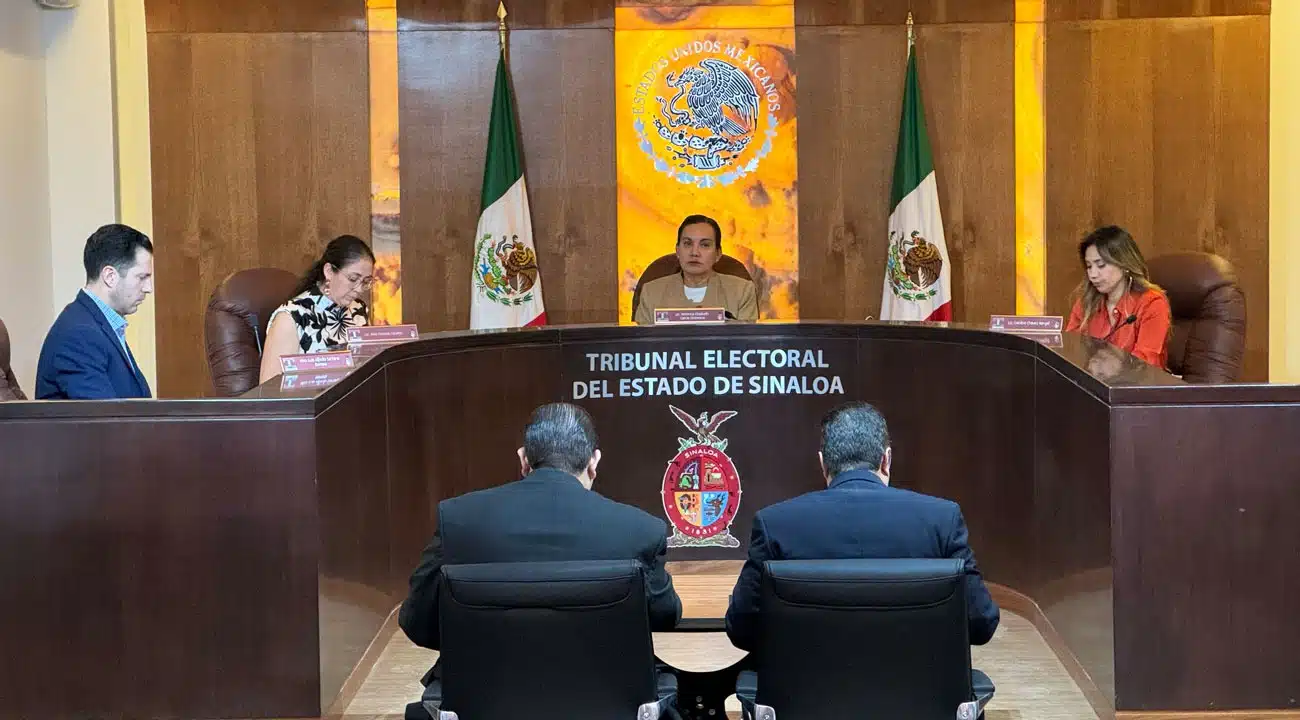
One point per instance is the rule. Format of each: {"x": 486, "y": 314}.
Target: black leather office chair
{"x": 862, "y": 639}
{"x": 547, "y": 641}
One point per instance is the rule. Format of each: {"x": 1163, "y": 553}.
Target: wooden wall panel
{"x": 195, "y": 16}
{"x": 564, "y": 88}
{"x": 848, "y": 131}
{"x": 524, "y": 14}
{"x": 260, "y": 156}
{"x": 1162, "y": 126}
{"x": 843, "y": 190}
{"x": 894, "y": 12}
{"x": 1129, "y": 9}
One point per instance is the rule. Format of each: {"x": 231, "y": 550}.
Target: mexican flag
{"x": 918, "y": 282}
{"x": 505, "y": 284}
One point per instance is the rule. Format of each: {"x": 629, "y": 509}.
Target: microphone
{"x": 1132, "y": 318}
{"x": 727, "y": 314}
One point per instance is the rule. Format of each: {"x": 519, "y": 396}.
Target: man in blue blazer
{"x": 85, "y": 355}
{"x": 857, "y": 516}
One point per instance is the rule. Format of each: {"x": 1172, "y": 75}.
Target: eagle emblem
{"x": 704, "y": 427}
{"x": 701, "y": 487}
{"x": 719, "y": 97}
{"x": 710, "y": 126}
{"x": 505, "y": 269}
{"x": 914, "y": 266}
{"x": 719, "y": 117}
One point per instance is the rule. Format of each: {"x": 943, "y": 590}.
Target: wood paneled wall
{"x": 260, "y": 124}
{"x": 848, "y": 122}
{"x": 562, "y": 69}
{"x": 1161, "y": 126}
{"x": 564, "y": 90}
{"x": 1157, "y": 119}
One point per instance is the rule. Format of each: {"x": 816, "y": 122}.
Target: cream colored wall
{"x": 134, "y": 179}
{"x": 79, "y": 124}
{"x": 74, "y": 155}
{"x": 26, "y": 302}
{"x": 1284, "y": 195}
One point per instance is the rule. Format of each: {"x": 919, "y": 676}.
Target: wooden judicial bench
{"x": 179, "y": 558}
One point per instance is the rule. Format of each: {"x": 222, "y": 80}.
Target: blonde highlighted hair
{"x": 1116, "y": 247}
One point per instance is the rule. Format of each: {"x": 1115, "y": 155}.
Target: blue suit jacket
{"x": 857, "y": 516}
{"x": 82, "y": 358}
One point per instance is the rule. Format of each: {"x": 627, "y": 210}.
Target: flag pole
{"x": 911, "y": 32}
{"x": 501, "y": 24}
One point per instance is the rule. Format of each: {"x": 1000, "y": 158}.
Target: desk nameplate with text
{"x": 1026, "y": 323}
{"x": 312, "y": 381}
{"x": 382, "y": 334}
{"x": 690, "y": 316}
{"x": 316, "y": 361}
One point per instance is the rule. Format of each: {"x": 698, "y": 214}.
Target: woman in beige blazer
{"x": 699, "y": 247}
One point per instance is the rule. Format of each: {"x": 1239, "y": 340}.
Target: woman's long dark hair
{"x": 341, "y": 252}
{"x": 1116, "y": 247}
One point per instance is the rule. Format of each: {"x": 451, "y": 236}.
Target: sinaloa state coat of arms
{"x": 701, "y": 488}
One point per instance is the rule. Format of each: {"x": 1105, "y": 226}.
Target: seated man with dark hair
{"x": 549, "y": 515}
{"x": 85, "y": 355}
{"x": 857, "y": 516}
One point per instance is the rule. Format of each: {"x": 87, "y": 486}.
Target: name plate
{"x": 690, "y": 316}
{"x": 1049, "y": 339}
{"x": 316, "y": 361}
{"x": 311, "y": 380}
{"x": 1027, "y": 323}
{"x": 382, "y": 334}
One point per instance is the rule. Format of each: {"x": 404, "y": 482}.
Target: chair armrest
{"x": 432, "y": 701}
{"x": 747, "y": 693}
{"x": 665, "y": 705}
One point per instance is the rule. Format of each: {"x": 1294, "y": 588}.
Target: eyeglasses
{"x": 365, "y": 282}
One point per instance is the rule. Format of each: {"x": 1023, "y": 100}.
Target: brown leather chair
{"x": 668, "y": 265}
{"x": 1209, "y": 309}
{"x": 235, "y": 326}
{"x": 9, "y": 389}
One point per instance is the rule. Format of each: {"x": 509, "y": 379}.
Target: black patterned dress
{"x": 322, "y": 325}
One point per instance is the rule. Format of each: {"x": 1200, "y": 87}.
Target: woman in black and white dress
{"x": 325, "y": 304}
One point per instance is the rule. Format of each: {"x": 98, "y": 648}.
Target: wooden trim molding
{"x": 361, "y": 671}
{"x": 1024, "y": 606}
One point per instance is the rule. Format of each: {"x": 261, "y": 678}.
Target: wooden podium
{"x": 177, "y": 558}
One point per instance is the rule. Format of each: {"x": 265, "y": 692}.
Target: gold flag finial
{"x": 501, "y": 23}
{"x": 911, "y": 33}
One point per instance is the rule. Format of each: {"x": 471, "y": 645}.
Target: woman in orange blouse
{"x": 1116, "y": 302}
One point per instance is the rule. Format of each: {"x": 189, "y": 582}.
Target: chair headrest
{"x": 1188, "y": 278}
{"x": 235, "y": 325}
{"x": 4, "y": 347}
{"x": 668, "y": 264}
{"x": 258, "y": 291}
{"x": 9, "y": 389}
{"x": 855, "y": 583}
{"x": 551, "y": 585}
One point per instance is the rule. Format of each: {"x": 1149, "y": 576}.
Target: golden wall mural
{"x": 385, "y": 180}
{"x": 706, "y": 124}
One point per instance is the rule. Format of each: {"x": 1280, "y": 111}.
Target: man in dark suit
{"x": 85, "y": 355}
{"x": 549, "y": 515}
{"x": 857, "y": 516}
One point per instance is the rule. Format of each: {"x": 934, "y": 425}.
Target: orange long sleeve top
{"x": 1145, "y": 338}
